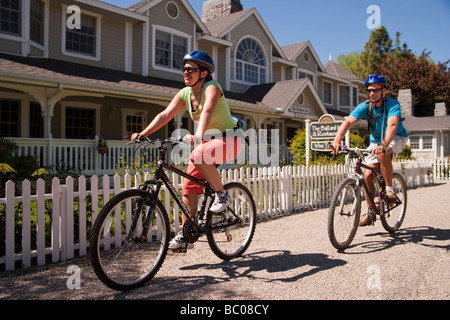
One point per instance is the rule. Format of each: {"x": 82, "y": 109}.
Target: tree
{"x": 429, "y": 81}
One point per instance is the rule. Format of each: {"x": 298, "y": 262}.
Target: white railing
{"x": 441, "y": 169}
{"x": 83, "y": 156}
{"x": 54, "y": 219}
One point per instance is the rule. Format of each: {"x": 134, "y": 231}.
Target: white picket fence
{"x": 40, "y": 226}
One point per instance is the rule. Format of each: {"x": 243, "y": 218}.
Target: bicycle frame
{"x": 161, "y": 177}
{"x": 362, "y": 181}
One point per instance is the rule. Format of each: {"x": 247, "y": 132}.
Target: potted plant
{"x": 102, "y": 147}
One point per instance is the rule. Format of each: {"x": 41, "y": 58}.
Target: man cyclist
{"x": 387, "y": 134}
{"x": 204, "y": 100}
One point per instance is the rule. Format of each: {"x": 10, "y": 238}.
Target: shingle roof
{"x": 293, "y": 49}
{"x": 412, "y": 123}
{"x": 138, "y": 5}
{"x": 59, "y": 71}
{"x": 279, "y": 94}
{"x": 48, "y": 70}
{"x": 336, "y": 70}
{"x": 219, "y": 25}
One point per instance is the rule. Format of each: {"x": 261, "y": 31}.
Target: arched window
{"x": 250, "y": 62}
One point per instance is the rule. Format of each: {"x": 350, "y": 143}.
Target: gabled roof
{"x": 333, "y": 69}
{"x": 292, "y": 51}
{"x": 281, "y": 95}
{"x": 145, "y": 5}
{"x": 220, "y": 27}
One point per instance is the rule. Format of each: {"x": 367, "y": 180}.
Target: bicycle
{"x": 130, "y": 236}
{"x": 350, "y": 195}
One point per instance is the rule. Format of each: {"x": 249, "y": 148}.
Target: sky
{"x": 341, "y": 27}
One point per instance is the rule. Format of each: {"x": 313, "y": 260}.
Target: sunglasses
{"x": 190, "y": 69}
{"x": 374, "y": 90}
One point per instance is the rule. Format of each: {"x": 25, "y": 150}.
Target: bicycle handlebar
{"x": 158, "y": 142}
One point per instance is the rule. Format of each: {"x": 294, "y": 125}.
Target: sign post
{"x": 325, "y": 130}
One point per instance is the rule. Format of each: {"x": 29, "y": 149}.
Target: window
{"x": 10, "y": 17}
{"x": 170, "y": 50}
{"x": 302, "y": 75}
{"x": 355, "y": 97}
{"x": 80, "y": 123}
{"x": 10, "y": 118}
{"x": 85, "y": 41}
{"x": 37, "y": 21}
{"x": 82, "y": 40}
{"x": 428, "y": 143}
{"x": 414, "y": 142}
{"x": 421, "y": 142}
{"x": 36, "y": 123}
{"x": 133, "y": 121}
{"x": 344, "y": 96}
{"x": 250, "y": 62}
{"x": 327, "y": 93}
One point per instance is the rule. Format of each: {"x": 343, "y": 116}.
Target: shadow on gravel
{"x": 262, "y": 266}
{"x": 423, "y": 235}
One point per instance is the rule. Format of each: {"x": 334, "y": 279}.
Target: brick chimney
{"x": 213, "y": 9}
{"x": 406, "y": 99}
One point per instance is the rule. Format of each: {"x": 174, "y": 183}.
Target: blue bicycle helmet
{"x": 376, "y": 78}
{"x": 201, "y": 58}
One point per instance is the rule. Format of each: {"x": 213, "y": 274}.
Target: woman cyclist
{"x": 204, "y": 99}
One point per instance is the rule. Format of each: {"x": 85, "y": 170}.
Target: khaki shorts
{"x": 398, "y": 144}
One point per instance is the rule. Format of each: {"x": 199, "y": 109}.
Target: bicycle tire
{"x": 119, "y": 260}
{"x": 231, "y": 242}
{"x": 343, "y": 218}
{"x": 393, "y": 219}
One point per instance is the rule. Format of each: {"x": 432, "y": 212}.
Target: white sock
{"x": 390, "y": 188}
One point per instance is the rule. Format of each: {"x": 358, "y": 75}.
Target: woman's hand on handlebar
{"x": 335, "y": 146}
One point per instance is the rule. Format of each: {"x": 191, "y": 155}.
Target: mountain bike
{"x": 353, "y": 193}
{"x": 130, "y": 236}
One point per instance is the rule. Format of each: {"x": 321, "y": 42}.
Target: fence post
{"x": 9, "y": 226}
{"x": 26, "y": 223}
{"x": 56, "y": 214}
{"x": 40, "y": 221}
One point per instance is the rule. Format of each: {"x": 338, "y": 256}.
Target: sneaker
{"x": 178, "y": 242}
{"x": 390, "y": 196}
{"x": 221, "y": 201}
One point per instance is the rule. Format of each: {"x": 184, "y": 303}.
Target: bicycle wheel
{"x": 239, "y": 220}
{"x": 121, "y": 257}
{"x": 343, "y": 214}
{"x": 392, "y": 215}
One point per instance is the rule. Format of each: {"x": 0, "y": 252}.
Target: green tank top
{"x": 221, "y": 118}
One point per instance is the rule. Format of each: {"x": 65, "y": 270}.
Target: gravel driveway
{"x": 290, "y": 258}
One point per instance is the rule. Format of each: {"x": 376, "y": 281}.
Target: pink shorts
{"x": 213, "y": 152}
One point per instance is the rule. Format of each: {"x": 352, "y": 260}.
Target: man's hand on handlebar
{"x": 381, "y": 148}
